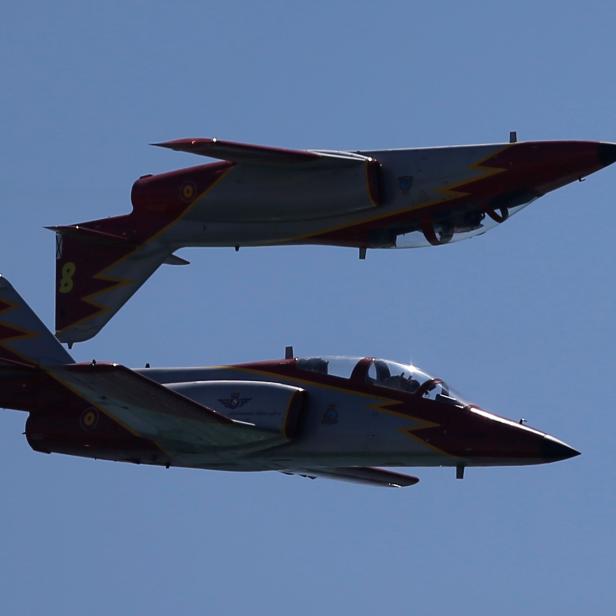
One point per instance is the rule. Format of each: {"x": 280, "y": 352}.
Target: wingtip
{"x": 175, "y": 144}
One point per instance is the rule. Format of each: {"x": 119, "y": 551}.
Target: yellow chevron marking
{"x": 380, "y": 405}
{"x": 116, "y": 282}
{"x": 22, "y": 334}
{"x": 449, "y": 192}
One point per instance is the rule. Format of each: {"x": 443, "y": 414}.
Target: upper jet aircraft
{"x": 262, "y": 196}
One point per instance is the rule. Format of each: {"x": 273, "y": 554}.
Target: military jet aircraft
{"x": 333, "y": 417}
{"x": 270, "y": 196}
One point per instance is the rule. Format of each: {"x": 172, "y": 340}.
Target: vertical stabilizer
{"x": 24, "y": 339}
{"x": 96, "y": 274}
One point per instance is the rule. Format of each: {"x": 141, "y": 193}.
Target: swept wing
{"x": 149, "y": 410}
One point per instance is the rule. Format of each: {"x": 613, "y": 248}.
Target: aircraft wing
{"x": 149, "y": 410}
{"x": 362, "y": 474}
{"x": 259, "y": 154}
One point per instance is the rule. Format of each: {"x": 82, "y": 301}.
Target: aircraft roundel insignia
{"x": 188, "y": 191}
{"x": 89, "y": 419}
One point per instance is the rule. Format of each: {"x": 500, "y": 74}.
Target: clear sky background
{"x": 520, "y": 320}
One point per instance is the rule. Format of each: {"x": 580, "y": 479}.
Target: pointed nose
{"x": 553, "y": 450}
{"x": 607, "y": 153}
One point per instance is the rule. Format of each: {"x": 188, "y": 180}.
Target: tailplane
{"x": 24, "y": 339}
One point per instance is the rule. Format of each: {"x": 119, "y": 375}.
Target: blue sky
{"x": 519, "y": 320}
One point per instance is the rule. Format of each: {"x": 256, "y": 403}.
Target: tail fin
{"x": 24, "y": 340}
{"x": 96, "y": 274}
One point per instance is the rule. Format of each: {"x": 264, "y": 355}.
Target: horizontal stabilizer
{"x": 149, "y": 410}
{"x": 258, "y": 154}
{"x": 363, "y": 474}
{"x": 175, "y": 260}
{"x": 82, "y": 231}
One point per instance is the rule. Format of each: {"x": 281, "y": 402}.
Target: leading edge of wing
{"x": 150, "y": 410}
{"x": 258, "y": 154}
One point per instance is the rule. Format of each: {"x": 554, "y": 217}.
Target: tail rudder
{"x": 24, "y": 339}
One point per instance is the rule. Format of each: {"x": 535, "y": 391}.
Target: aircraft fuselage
{"x": 403, "y": 198}
{"x": 266, "y": 196}
{"x": 376, "y": 413}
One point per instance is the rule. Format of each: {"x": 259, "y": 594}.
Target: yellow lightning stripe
{"x": 380, "y": 405}
{"x": 119, "y": 282}
{"x": 449, "y": 191}
{"x": 22, "y": 334}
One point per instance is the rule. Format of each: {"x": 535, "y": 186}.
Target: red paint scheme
{"x": 55, "y": 422}
{"x": 532, "y": 168}
{"x": 162, "y": 193}
{"x": 9, "y": 333}
{"x": 112, "y": 257}
{"x": 154, "y": 208}
{"x": 459, "y": 432}
{"x": 61, "y": 421}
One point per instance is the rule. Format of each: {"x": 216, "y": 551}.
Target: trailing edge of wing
{"x": 363, "y": 474}
{"x": 259, "y": 154}
{"x": 149, "y": 410}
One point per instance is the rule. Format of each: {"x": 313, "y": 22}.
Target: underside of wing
{"x": 177, "y": 424}
{"x": 259, "y": 154}
{"x": 362, "y": 474}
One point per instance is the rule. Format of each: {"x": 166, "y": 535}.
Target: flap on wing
{"x": 364, "y": 474}
{"x": 258, "y": 154}
{"x": 150, "y": 410}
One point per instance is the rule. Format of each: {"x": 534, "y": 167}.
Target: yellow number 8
{"x": 66, "y": 282}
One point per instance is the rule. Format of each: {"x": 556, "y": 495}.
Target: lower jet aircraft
{"x": 263, "y": 196}
{"x": 340, "y": 418}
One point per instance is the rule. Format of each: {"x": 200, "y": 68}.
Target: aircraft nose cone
{"x": 607, "y": 153}
{"x": 554, "y": 451}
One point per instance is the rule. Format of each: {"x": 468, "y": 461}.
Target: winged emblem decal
{"x": 234, "y": 402}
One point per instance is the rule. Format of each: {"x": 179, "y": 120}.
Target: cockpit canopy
{"x": 382, "y": 373}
